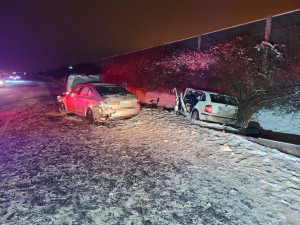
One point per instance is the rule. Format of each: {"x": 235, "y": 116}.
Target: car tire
{"x": 90, "y": 116}
{"x": 62, "y": 108}
{"x": 195, "y": 115}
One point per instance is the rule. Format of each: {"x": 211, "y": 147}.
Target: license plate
{"x": 220, "y": 108}
{"x": 124, "y": 102}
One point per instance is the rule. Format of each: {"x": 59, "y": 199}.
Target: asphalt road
{"x": 156, "y": 168}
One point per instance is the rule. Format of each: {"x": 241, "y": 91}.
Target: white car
{"x": 210, "y": 106}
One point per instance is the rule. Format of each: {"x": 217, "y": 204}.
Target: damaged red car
{"x": 99, "y": 102}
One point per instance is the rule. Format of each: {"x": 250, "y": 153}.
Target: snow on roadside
{"x": 278, "y": 121}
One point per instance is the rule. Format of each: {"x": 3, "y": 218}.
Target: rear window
{"x": 223, "y": 99}
{"x": 111, "y": 90}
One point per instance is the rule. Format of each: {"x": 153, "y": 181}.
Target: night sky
{"x": 45, "y": 34}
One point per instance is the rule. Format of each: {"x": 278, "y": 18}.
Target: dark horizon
{"x": 39, "y": 35}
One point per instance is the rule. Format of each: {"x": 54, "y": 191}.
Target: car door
{"x": 71, "y": 99}
{"x": 83, "y": 100}
{"x": 201, "y": 101}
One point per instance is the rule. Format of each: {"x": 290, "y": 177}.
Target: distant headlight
{"x": 1, "y": 82}
{"x": 11, "y": 77}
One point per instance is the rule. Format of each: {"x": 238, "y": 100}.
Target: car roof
{"x": 210, "y": 92}
{"x": 206, "y": 92}
{"x": 100, "y": 84}
{"x": 104, "y": 84}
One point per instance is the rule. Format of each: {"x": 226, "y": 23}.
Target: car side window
{"x": 188, "y": 95}
{"x": 89, "y": 93}
{"x": 201, "y": 96}
{"x": 76, "y": 90}
{"x": 84, "y": 91}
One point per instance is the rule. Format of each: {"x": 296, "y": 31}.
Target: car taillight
{"x": 207, "y": 108}
{"x": 137, "y": 101}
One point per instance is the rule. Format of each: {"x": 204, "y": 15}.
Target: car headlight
{"x": 1, "y": 82}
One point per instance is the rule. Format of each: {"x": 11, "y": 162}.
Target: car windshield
{"x": 222, "y": 99}
{"x": 111, "y": 90}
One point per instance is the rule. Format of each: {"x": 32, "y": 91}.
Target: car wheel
{"x": 89, "y": 116}
{"x": 62, "y": 108}
{"x": 195, "y": 114}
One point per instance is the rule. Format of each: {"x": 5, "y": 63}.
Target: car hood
{"x": 76, "y": 79}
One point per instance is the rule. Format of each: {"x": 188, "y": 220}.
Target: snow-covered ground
{"x": 278, "y": 121}
{"x": 156, "y": 168}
